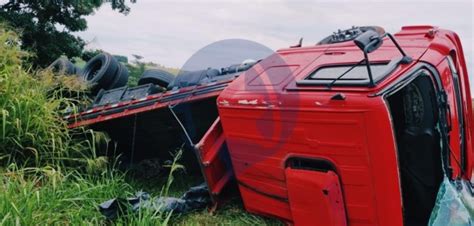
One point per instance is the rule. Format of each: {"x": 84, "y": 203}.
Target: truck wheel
{"x": 191, "y": 78}
{"x": 101, "y": 70}
{"x": 157, "y": 77}
{"x": 209, "y": 75}
{"x": 121, "y": 78}
{"x": 63, "y": 66}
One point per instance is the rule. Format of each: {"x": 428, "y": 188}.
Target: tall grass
{"x": 50, "y": 175}
{"x": 56, "y": 197}
{"x": 31, "y": 129}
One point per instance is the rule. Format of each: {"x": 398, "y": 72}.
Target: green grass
{"x": 54, "y": 198}
{"x": 231, "y": 213}
{"x": 48, "y": 196}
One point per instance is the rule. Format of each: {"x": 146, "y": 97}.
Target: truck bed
{"x": 120, "y": 109}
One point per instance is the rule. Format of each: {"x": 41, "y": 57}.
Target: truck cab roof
{"x": 287, "y": 69}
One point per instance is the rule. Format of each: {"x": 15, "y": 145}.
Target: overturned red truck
{"x": 359, "y": 129}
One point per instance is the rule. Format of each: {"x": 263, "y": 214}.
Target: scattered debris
{"x": 454, "y": 204}
{"x": 116, "y": 207}
{"x": 195, "y": 198}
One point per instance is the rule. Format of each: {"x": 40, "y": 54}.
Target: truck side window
{"x": 459, "y": 106}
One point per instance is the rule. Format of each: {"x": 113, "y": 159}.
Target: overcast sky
{"x": 169, "y": 32}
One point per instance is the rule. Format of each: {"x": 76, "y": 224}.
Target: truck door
{"x": 455, "y": 117}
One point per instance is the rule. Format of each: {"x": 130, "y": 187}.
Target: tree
{"x": 46, "y": 25}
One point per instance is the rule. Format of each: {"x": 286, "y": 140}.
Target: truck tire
{"x": 191, "y": 78}
{"x": 157, "y": 77}
{"x": 101, "y": 70}
{"x": 121, "y": 77}
{"x": 63, "y": 66}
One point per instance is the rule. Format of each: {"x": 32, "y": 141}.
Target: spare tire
{"x": 157, "y": 77}
{"x": 191, "y": 78}
{"x": 121, "y": 77}
{"x": 101, "y": 70}
{"x": 63, "y": 66}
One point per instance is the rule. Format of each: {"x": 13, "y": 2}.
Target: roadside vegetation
{"x": 50, "y": 175}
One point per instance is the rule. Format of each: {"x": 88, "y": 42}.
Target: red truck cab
{"x": 312, "y": 136}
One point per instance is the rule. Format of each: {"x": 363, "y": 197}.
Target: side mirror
{"x": 369, "y": 41}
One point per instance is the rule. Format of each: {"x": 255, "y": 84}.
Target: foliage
{"x": 90, "y": 53}
{"x": 138, "y": 66}
{"x": 121, "y": 59}
{"x": 135, "y": 71}
{"x": 45, "y": 26}
{"x": 232, "y": 213}
{"x": 32, "y": 131}
{"x": 52, "y": 196}
{"x": 56, "y": 197}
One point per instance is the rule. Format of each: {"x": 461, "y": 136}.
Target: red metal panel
{"x": 213, "y": 168}
{"x": 315, "y": 198}
{"x": 101, "y": 117}
{"x": 260, "y": 142}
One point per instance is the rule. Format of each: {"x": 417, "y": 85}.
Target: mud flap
{"x": 214, "y": 161}
{"x": 315, "y": 197}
